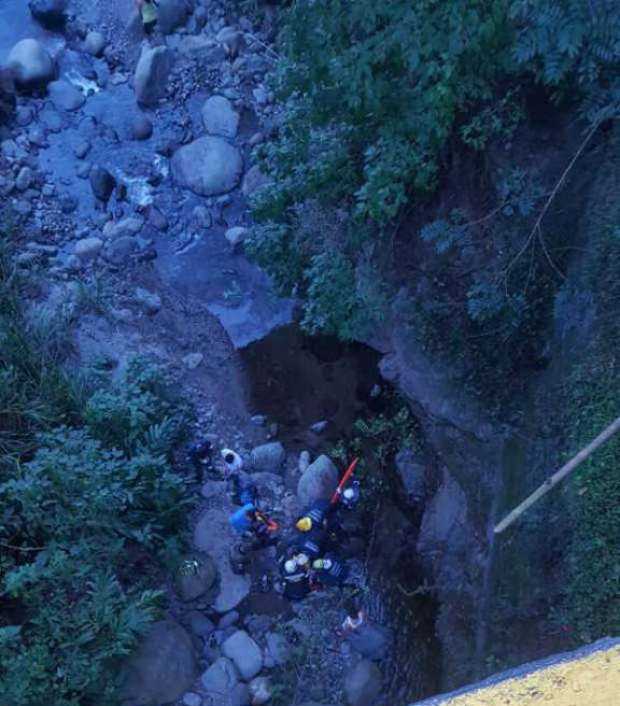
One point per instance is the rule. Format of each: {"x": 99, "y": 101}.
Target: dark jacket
{"x": 336, "y": 575}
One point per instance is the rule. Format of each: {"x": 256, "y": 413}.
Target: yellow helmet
{"x": 304, "y": 524}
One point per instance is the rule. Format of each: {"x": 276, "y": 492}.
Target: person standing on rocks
{"x": 148, "y": 14}
{"x": 243, "y": 489}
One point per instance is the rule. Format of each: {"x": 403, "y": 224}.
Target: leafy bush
{"x": 89, "y": 510}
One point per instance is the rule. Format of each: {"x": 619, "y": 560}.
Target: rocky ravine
{"x": 125, "y": 172}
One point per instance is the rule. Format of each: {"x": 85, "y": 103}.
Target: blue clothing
{"x": 239, "y": 520}
{"x": 317, "y": 512}
{"x": 337, "y": 573}
{"x": 309, "y": 543}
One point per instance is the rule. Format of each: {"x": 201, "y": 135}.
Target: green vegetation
{"x": 591, "y": 606}
{"x": 381, "y": 102}
{"x": 90, "y": 509}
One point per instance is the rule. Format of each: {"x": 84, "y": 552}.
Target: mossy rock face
{"x": 196, "y": 576}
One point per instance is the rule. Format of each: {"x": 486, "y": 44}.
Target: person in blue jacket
{"x": 329, "y": 571}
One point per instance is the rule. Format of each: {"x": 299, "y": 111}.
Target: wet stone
{"x": 141, "y": 128}
{"x": 64, "y": 96}
{"x": 81, "y": 149}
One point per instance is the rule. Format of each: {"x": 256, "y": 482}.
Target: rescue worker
{"x": 310, "y": 542}
{"x": 314, "y": 517}
{"x": 148, "y": 13}
{"x": 295, "y": 577}
{"x": 200, "y": 455}
{"x": 329, "y": 571}
{"x": 257, "y": 532}
{"x": 351, "y": 495}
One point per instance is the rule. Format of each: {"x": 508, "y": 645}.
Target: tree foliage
{"x": 376, "y": 96}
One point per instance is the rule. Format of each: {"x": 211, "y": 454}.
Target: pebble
{"x": 151, "y": 303}
{"x": 24, "y": 115}
{"x": 259, "y": 419}
{"x": 83, "y": 170}
{"x": 94, "y": 44}
{"x": 191, "y": 699}
{"x": 193, "y": 360}
{"x": 88, "y": 248}
{"x": 81, "y": 149}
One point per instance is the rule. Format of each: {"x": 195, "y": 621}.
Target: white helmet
{"x": 290, "y": 566}
{"x": 349, "y": 493}
{"x": 302, "y": 559}
{"x": 327, "y": 564}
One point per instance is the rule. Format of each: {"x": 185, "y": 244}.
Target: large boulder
{"x": 151, "y": 75}
{"x": 214, "y": 536}
{"x": 30, "y": 63}
{"x": 370, "y": 640}
{"x": 163, "y": 668}
{"x": 208, "y": 166}
{"x": 195, "y": 582}
{"x": 318, "y": 481}
{"x": 412, "y": 472}
{"x": 65, "y": 96}
{"x": 219, "y": 117}
{"x": 268, "y": 457}
{"x": 50, "y": 13}
{"x": 245, "y": 654}
{"x": 171, "y": 14}
{"x": 102, "y": 183}
{"x": 362, "y": 684}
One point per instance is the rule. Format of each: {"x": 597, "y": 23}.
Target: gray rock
{"x": 24, "y": 115}
{"x": 163, "y": 668}
{"x": 141, "y": 128}
{"x": 94, "y": 44}
{"x": 236, "y": 235}
{"x": 191, "y": 699}
{"x": 88, "y": 248}
{"x": 131, "y": 225}
{"x": 171, "y": 14}
{"x": 232, "y": 39}
{"x": 412, "y": 472}
{"x": 259, "y": 419}
{"x": 24, "y": 179}
{"x": 36, "y": 136}
{"x": 151, "y": 75}
{"x": 221, "y": 677}
{"x": 318, "y": 481}
{"x": 83, "y": 170}
{"x": 304, "y": 461}
{"x": 228, "y": 620}
{"x": 245, "y": 654}
{"x": 268, "y": 457}
{"x": 151, "y": 303}
{"x": 6, "y": 185}
{"x": 157, "y": 219}
{"x": 81, "y": 149}
{"x": 192, "y": 585}
{"x": 119, "y": 250}
{"x": 362, "y": 684}
{"x": 208, "y": 166}
{"x": 30, "y": 63}
{"x": 193, "y": 360}
{"x": 102, "y": 183}
{"x": 203, "y": 49}
{"x": 261, "y": 691}
{"x": 201, "y": 217}
{"x": 219, "y": 117}
{"x": 278, "y": 648}
{"x": 260, "y": 95}
{"x": 50, "y": 13}
{"x": 239, "y": 696}
{"x": 213, "y": 535}
{"x": 445, "y": 513}
{"x": 65, "y": 96}
{"x": 253, "y": 181}
{"x": 370, "y": 640}
{"x": 200, "y": 625}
